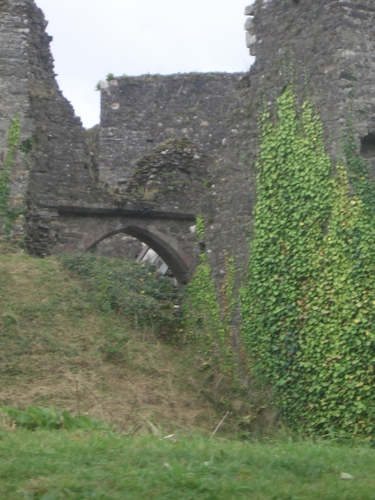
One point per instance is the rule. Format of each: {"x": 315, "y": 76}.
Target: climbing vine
{"x": 200, "y": 228}
{"x": 8, "y": 215}
{"x": 201, "y": 310}
{"x": 208, "y": 313}
{"x": 228, "y": 300}
{"x": 309, "y": 305}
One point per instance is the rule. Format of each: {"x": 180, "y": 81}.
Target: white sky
{"x": 92, "y": 38}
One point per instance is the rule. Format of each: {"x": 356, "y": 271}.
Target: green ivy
{"x": 9, "y": 215}
{"x": 200, "y": 228}
{"x": 201, "y": 309}
{"x": 309, "y": 306}
{"x": 228, "y": 300}
{"x": 208, "y": 314}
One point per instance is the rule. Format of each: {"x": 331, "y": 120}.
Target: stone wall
{"x": 57, "y": 167}
{"x": 14, "y": 90}
{"x": 138, "y": 113}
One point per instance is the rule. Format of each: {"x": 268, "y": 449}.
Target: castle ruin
{"x": 170, "y": 148}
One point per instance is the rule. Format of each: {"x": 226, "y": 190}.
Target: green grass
{"x": 46, "y": 418}
{"x": 52, "y": 465}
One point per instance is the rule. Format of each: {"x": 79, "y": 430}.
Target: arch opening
{"x": 166, "y": 249}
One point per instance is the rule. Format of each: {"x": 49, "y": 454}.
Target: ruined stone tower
{"x": 52, "y": 164}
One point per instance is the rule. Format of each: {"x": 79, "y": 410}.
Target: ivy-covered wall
{"x": 308, "y": 300}
{"x": 309, "y": 304}
{"x": 208, "y": 312}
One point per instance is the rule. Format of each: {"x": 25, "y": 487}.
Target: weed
{"x": 148, "y": 193}
{"x": 136, "y": 290}
{"x": 47, "y": 418}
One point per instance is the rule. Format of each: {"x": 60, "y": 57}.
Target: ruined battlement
{"x": 52, "y": 164}
{"x": 326, "y": 48}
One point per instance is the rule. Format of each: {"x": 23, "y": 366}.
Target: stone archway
{"x": 80, "y": 229}
{"x": 162, "y": 244}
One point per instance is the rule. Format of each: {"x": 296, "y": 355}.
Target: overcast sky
{"x": 92, "y": 38}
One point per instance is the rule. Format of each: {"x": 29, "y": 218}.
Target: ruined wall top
{"x": 326, "y": 48}
{"x": 52, "y": 163}
{"x": 138, "y": 113}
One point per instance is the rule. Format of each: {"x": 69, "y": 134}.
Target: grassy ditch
{"x": 98, "y": 336}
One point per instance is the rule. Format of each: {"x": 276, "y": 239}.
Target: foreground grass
{"x": 53, "y": 465}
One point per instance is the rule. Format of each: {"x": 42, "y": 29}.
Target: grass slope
{"x": 59, "y": 348}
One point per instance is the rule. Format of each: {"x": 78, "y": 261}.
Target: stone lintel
{"x": 128, "y": 211}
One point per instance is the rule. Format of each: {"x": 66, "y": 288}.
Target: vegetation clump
{"x": 9, "y": 214}
{"x": 47, "y": 418}
{"x": 168, "y": 171}
{"x": 208, "y": 315}
{"x": 136, "y": 290}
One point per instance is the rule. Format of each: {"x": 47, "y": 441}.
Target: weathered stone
{"x": 56, "y": 153}
{"x": 163, "y": 105}
{"x": 249, "y": 10}
{"x": 250, "y": 40}
{"x": 249, "y": 25}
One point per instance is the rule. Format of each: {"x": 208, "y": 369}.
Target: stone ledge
{"x": 129, "y": 211}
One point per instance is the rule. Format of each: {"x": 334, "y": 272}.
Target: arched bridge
{"x": 170, "y": 234}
